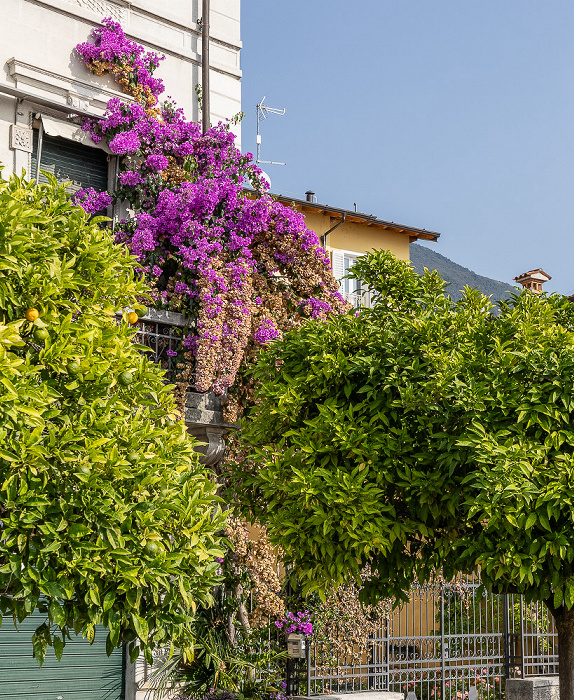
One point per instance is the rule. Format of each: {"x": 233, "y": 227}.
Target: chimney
{"x": 533, "y": 280}
{"x": 310, "y": 196}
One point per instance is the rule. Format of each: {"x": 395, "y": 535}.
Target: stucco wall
{"x": 358, "y": 238}
{"x": 40, "y": 36}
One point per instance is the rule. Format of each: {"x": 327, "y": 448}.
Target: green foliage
{"x": 106, "y": 517}
{"x": 419, "y": 434}
{"x": 250, "y": 668}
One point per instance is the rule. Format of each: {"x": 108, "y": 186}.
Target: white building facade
{"x": 45, "y": 79}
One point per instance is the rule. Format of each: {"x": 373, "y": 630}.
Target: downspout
{"x": 205, "y": 108}
{"x": 115, "y": 206}
{"x": 324, "y": 236}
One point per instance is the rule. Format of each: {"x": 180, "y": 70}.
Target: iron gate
{"x": 444, "y": 642}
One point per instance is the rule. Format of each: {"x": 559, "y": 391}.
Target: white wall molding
{"x": 104, "y": 8}
{"x": 46, "y": 70}
{"x": 177, "y": 39}
{"x": 70, "y": 92}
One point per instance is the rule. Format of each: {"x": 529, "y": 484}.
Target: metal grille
{"x": 163, "y": 332}
{"x": 447, "y": 643}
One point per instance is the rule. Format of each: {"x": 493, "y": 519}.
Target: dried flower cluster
{"x": 242, "y": 267}
{"x": 260, "y": 560}
{"x": 342, "y": 628}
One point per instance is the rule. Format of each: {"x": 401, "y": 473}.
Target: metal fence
{"x": 450, "y": 642}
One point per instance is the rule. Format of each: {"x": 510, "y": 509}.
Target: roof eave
{"x": 358, "y": 217}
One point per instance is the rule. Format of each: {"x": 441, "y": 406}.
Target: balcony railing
{"x": 163, "y": 332}
{"x": 358, "y": 299}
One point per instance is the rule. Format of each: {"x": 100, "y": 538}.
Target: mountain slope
{"x": 458, "y": 276}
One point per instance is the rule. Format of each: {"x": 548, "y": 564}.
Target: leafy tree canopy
{"x": 106, "y": 516}
{"x": 417, "y": 435}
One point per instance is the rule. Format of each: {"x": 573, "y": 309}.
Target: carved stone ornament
{"x": 102, "y": 8}
{"x": 214, "y": 444}
{"x": 78, "y": 102}
{"x": 21, "y": 138}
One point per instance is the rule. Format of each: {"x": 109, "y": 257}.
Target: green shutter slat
{"x": 84, "y": 673}
{"x": 69, "y": 161}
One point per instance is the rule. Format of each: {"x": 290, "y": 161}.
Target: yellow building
{"x": 347, "y": 235}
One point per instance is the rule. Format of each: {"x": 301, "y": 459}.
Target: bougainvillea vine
{"x": 242, "y": 267}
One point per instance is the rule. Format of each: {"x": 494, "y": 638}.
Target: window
{"x": 353, "y": 291}
{"x": 69, "y": 161}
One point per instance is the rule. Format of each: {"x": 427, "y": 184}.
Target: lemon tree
{"x": 106, "y": 516}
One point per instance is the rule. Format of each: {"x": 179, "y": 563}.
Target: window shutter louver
{"x": 85, "y": 672}
{"x": 338, "y": 263}
{"x": 81, "y": 165}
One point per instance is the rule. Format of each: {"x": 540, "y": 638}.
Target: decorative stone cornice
{"x": 70, "y": 92}
{"x": 116, "y": 11}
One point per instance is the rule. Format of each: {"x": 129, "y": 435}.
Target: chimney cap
{"x": 539, "y": 275}
{"x": 310, "y": 195}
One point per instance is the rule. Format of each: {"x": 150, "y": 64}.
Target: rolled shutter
{"x": 69, "y": 161}
{"x": 84, "y": 673}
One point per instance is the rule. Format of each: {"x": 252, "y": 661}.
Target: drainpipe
{"x": 324, "y": 236}
{"x": 205, "y": 108}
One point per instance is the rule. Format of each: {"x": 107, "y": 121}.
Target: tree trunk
{"x": 564, "y": 619}
{"x": 242, "y": 614}
{"x": 242, "y": 610}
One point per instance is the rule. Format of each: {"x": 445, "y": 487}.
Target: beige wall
{"x": 358, "y": 238}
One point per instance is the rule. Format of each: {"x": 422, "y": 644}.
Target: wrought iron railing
{"x": 163, "y": 332}
{"x": 446, "y": 643}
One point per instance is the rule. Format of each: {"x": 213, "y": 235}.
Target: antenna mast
{"x": 262, "y": 111}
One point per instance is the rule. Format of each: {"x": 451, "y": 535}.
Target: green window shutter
{"x": 70, "y": 161}
{"x": 84, "y": 673}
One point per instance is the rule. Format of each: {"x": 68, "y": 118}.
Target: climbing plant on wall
{"x": 242, "y": 267}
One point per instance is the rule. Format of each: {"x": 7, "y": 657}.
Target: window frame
{"x": 360, "y": 296}
{"x": 112, "y": 160}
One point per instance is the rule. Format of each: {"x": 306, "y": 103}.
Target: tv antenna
{"x": 262, "y": 111}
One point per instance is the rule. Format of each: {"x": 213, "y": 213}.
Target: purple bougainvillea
{"x": 297, "y": 623}
{"x": 92, "y": 201}
{"x": 218, "y": 248}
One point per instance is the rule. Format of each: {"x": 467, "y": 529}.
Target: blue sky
{"x": 450, "y": 115}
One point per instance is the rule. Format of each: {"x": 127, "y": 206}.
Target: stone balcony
{"x": 162, "y": 331}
